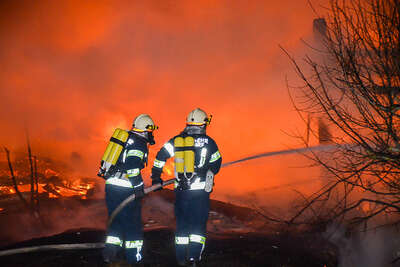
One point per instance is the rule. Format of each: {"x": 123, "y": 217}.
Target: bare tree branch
{"x": 352, "y": 80}
{"x": 14, "y": 180}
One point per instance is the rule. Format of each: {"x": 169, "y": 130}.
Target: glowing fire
{"x": 49, "y": 172}
{"x": 65, "y": 189}
{"x": 168, "y": 171}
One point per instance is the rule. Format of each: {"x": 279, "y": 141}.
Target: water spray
{"x": 281, "y": 152}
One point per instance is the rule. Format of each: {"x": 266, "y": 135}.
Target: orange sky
{"x": 72, "y": 71}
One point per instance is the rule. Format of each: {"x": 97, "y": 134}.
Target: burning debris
{"x": 55, "y": 187}
{"x": 48, "y": 180}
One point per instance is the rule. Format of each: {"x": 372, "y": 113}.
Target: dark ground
{"x": 237, "y": 236}
{"x": 228, "y": 250}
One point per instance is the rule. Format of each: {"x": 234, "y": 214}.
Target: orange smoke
{"x": 72, "y": 71}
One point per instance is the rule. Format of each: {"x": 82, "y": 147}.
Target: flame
{"x": 169, "y": 169}
{"x": 69, "y": 189}
{"x": 49, "y": 172}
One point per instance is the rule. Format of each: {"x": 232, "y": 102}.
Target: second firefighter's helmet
{"x": 198, "y": 117}
{"x": 143, "y": 123}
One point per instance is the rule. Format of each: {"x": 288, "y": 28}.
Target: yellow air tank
{"x": 189, "y": 155}
{"x": 115, "y": 146}
{"x": 179, "y": 155}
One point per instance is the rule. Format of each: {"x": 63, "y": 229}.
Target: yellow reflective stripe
{"x": 119, "y": 182}
{"x": 170, "y": 149}
{"x": 215, "y": 157}
{"x": 197, "y": 238}
{"x": 181, "y": 240}
{"x": 133, "y": 172}
{"x": 113, "y": 240}
{"x": 135, "y": 153}
{"x": 158, "y": 163}
{"x": 134, "y": 244}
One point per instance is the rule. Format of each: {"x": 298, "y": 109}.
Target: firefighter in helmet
{"x": 197, "y": 159}
{"x": 126, "y": 231}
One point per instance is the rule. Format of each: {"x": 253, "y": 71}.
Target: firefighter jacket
{"x": 206, "y": 158}
{"x": 131, "y": 162}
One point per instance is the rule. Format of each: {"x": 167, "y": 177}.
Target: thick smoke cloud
{"x": 72, "y": 71}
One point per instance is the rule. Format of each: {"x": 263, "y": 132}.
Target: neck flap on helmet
{"x": 195, "y": 129}
{"x": 148, "y": 136}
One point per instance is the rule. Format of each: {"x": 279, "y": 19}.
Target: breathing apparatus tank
{"x": 179, "y": 144}
{"x": 113, "y": 152}
{"x": 189, "y": 156}
{"x": 184, "y": 159}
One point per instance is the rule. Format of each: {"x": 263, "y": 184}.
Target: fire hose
{"x": 85, "y": 245}
{"x": 132, "y": 198}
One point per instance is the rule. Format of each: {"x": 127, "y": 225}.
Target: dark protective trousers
{"x": 191, "y": 212}
{"x": 126, "y": 227}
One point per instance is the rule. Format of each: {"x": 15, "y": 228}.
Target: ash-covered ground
{"x": 237, "y": 236}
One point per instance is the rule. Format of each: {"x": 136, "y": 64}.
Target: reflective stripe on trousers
{"x": 184, "y": 240}
{"x": 114, "y": 240}
{"x": 181, "y": 240}
{"x": 197, "y": 238}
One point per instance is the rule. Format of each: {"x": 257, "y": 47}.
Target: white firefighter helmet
{"x": 143, "y": 123}
{"x": 198, "y": 117}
